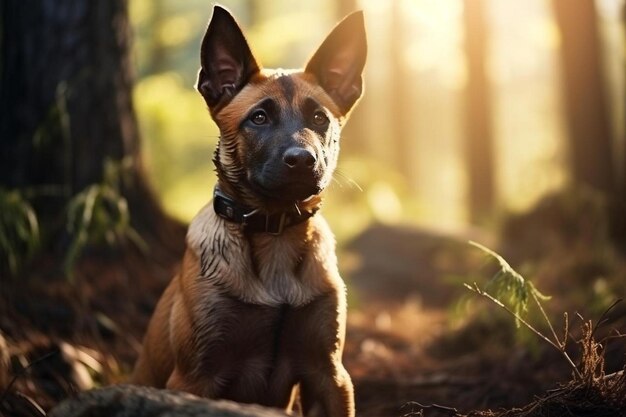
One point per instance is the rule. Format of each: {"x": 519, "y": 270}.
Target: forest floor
{"x": 416, "y": 337}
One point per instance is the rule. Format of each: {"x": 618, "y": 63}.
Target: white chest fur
{"x": 266, "y": 270}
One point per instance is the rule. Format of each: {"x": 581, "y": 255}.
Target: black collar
{"x": 254, "y": 220}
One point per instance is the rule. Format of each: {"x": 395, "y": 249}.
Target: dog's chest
{"x": 264, "y": 307}
{"x": 256, "y": 353}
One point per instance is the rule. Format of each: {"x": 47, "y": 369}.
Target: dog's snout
{"x": 298, "y": 158}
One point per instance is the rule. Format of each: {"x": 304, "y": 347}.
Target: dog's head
{"x": 279, "y": 129}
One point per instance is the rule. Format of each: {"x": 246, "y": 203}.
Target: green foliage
{"x": 99, "y": 214}
{"x": 19, "y": 230}
{"x": 511, "y": 286}
{"x": 508, "y": 285}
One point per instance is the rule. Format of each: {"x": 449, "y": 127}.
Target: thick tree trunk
{"x": 66, "y": 105}
{"x": 588, "y": 114}
{"x": 66, "y": 101}
{"x": 586, "y": 106}
{"x": 478, "y": 129}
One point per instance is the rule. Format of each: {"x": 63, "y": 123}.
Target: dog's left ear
{"x": 226, "y": 60}
{"x": 338, "y": 62}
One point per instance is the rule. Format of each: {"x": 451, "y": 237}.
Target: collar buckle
{"x": 281, "y": 224}
{"x": 282, "y": 221}
{"x": 246, "y": 217}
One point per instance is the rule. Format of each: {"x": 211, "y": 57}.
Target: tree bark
{"x": 478, "y": 128}
{"x": 66, "y": 106}
{"x": 587, "y": 113}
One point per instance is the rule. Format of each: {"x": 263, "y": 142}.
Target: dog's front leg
{"x": 328, "y": 392}
{"x": 178, "y": 382}
{"x": 202, "y": 387}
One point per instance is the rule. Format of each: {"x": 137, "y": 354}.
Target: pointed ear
{"x": 338, "y": 62}
{"x": 226, "y": 60}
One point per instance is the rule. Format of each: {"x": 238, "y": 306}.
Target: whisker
{"x": 355, "y": 184}
{"x": 352, "y": 183}
{"x": 336, "y": 181}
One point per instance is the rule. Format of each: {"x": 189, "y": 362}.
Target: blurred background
{"x": 466, "y": 111}
{"x": 498, "y": 121}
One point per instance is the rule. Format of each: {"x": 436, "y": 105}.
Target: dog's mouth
{"x": 287, "y": 192}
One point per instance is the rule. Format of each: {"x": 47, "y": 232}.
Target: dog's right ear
{"x": 226, "y": 60}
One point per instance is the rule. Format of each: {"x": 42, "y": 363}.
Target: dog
{"x": 257, "y": 312}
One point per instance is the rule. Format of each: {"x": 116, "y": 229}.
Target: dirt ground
{"x": 415, "y": 337}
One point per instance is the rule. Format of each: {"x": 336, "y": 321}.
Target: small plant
{"x": 19, "y": 230}
{"x": 590, "y": 392}
{"x": 99, "y": 214}
{"x": 508, "y": 285}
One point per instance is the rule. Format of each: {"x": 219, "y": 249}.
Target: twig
{"x": 497, "y": 302}
{"x": 603, "y": 318}
{"x": 23, "y": 371}
{"x": 449, "y": 410}
{"x": 545, "y": 317}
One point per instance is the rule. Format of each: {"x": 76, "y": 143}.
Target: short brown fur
{"x": 251, "y": 317}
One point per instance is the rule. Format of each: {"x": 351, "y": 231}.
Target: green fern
{"x": 99, "y": 214}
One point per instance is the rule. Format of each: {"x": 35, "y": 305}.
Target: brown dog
{"x": 258, "y": 307}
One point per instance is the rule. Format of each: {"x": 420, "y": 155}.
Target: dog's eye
{"x": 259, "y": 117}
{"x": 320, "y": 118}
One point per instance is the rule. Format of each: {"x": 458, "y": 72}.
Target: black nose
{"x": 299, "y": 158}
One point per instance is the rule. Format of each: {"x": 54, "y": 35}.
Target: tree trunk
{"x": 66, "y": 107}
{"x": 587, "y": 112}
{"x": 619, "y": 212}
{"x": 623, "y": 188}
{"x": 478, "y": 129}
{"x": 401, "y": 95}
{"x": 618, "y": 207}
{"x": 623, "y": 176}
